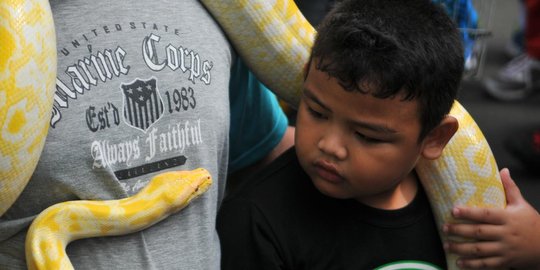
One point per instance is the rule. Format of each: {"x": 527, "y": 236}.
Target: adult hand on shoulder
{"x": 507, "y": 237}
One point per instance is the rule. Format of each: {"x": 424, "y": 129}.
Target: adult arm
{"x": 259, "y": 130}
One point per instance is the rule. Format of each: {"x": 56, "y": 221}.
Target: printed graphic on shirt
{"x": 137, "y": 107}
{"x": 142, "y": 103}
{"x": 408, "y": 265}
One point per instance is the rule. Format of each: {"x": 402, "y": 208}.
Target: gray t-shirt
{"x": 142, "y": 88}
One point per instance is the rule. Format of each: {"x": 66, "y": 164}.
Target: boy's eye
{"x": 367, "y": 139}
{"x": 315, "y": 113}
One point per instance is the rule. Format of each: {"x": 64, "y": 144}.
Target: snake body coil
{"x": 274, "y": 39}
{"x": 27, "y": 80}
{"x": 62, "y": 223}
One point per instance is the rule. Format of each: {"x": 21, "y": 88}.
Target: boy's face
{"x": 354, "y": 145}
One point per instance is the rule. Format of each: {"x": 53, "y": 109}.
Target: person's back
{"x": 379, "y": 85}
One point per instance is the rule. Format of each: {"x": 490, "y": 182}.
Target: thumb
{"x": 513, "y": 194}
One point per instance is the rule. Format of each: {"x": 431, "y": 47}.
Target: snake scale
{"x": 274, "y": 39}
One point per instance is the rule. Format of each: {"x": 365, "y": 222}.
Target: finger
{"x": 480, "y": 215}
{"x": 481, "y": 263}
{"x": 474, "y": 231}
{"x": 513, "y": 194}
{"x": 475, "y": 250}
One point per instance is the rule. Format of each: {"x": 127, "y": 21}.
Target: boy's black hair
{"x": 408, "y": 47}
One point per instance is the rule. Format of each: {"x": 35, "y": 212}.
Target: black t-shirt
{"x": 278, "y": 220}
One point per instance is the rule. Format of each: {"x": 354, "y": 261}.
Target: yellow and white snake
{"x": 274, "y": 39}
{"x": 62, "y": 223}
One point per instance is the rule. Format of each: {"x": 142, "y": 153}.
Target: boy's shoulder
{"x": 271, "y": 176}
{"x": 280, "y": 182}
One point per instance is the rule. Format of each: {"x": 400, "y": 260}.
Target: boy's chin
{"x": 330, "y": 190}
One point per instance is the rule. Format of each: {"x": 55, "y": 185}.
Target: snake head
{"x": 178, "y": 188}
{"x": 201, "y": 180}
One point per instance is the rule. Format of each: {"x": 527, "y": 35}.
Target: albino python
{"x": 167, "y": 193}
{"x": 466, "y": 173}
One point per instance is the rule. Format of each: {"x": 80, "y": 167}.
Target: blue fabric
{"x": 257, "y": 121}
{"x": 466, "y": 18}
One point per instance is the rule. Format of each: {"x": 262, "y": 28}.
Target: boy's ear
{"x": 436, "y": 140}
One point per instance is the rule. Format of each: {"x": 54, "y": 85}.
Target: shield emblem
{"x": 143, "y": 105}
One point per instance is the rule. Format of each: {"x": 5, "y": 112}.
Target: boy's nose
{"x": 333, "y": 145}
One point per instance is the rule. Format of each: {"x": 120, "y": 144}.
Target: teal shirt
{"x": 257, "y": 121}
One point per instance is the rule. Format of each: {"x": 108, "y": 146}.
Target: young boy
{"x": 382, "y": 77}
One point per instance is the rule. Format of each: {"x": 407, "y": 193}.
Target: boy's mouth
{"x": 328, "y": 171}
